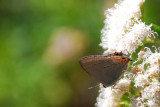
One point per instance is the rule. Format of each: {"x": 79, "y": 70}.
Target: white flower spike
{"x": 124, "y": 31}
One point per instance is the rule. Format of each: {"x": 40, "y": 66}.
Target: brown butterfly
{"x": 107, "y": 69}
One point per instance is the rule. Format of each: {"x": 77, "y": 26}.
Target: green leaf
{"x": 146, "y": 65}
{"x": 156, "y": 28}
{"x": 125, "y": 100}
{"x": 149, "y": 78}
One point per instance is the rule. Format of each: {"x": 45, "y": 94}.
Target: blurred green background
{"x": 41, "y": 42}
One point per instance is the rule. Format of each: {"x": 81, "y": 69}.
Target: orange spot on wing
{"x": 128, "y": 61}
{"x": 116, "y": 55}
{"x": 122, "y": 59}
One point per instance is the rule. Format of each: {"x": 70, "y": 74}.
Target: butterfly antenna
{"x": 93, "y": 87}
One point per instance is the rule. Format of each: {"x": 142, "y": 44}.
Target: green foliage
{"x": 149, "y": 78}
{"x": 146, "y": 66}
{"x": 156, "y": 28}
{"x": 125, "y": 101}
{"x": 150, "y": 12}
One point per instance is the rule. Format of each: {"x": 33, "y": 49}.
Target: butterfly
{"x": 107, "y": 69}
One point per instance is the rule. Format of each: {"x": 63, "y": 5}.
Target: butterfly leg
{"x": 113, "y": 87}
{"x": 104, "y": 86}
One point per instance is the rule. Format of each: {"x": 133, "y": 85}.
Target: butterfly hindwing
{"x": 105, "y": 69}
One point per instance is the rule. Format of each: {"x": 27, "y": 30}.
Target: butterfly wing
{"x": 105, "y": 69}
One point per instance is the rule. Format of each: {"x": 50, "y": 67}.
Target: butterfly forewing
{"x": 105, "y": 69}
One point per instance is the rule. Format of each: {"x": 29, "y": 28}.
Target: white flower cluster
{"x": 123, "y": 30}
{"x": 146, "y": 76}
{"x": 109, "y": 97}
